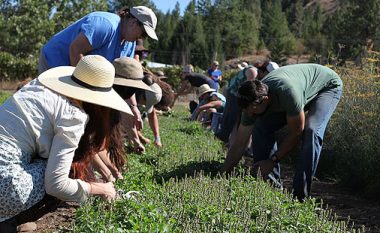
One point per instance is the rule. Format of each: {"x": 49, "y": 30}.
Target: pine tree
{"x": 356, "y": 28}
{"x": 24, "y": 27}
{"x": 275, "y": 32}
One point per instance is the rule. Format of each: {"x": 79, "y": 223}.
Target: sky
{"x": 165, "y": 5}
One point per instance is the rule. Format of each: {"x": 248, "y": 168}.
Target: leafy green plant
{"x": 183, "y": 191}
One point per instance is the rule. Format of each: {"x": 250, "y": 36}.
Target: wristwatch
{"x": 275, "y": 158}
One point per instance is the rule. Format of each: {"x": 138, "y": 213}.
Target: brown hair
{"x": 103, "y": 131}
{"x": 251, "y": 91}
{"x": 167, "y": 99}
{"x": 124, "y": 12}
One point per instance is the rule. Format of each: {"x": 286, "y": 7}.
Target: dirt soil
{"x": 345, "y": 205}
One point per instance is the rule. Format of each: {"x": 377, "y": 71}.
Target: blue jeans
{"x": 320, "y": 110}
{"x": 231, "y": 115}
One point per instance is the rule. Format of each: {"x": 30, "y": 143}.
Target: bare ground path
{"x": 344, "y": 204}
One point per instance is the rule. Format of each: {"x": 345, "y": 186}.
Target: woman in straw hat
{"x": 210, "y": 101}
{"x": 108, "y": 157}
{"x": 40, "y": 129}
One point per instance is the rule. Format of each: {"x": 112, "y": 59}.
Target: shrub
{"x": 352, "y": 137}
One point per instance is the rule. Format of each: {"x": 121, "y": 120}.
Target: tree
{"x": 275, "y": 31}
{"x": 296, "y": 18}
{"x": 69, "y": 11}
{"x": 355, "y": 26}
{"x": 190, "y": 37}
{"x": 25, "y": 26}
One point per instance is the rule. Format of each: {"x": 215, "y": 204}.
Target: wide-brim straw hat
{"x": 203, "y": 89}
{"x": 90, "y": 81}
{"x": 129, "y": 72}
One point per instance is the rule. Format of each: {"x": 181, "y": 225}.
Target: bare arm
{"x": 212, "y": 104}
{"x": 101, "y": 167}
{"x": 105, "y": 157}
{"x": 79, "y": 48}
{"x": 237, "y": 148}
{"x": 131, "y": 133}
{"x": 136, "y": 112}
{"x": 296, "y": 126}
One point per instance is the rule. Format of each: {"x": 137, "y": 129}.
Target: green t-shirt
{"x": 291, "y": 87}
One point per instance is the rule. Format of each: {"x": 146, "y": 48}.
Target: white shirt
{"x": 46, "y": 124}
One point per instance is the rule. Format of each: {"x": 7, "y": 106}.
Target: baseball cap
{"x": 147, "y": 17}
{"x": 272, "y": 66}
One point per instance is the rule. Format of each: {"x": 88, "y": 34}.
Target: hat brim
{"x": 131, "y": 83}
{"x": 151, "y": 33}
{"x": 209, "y": 90}
{"x": 59, "y": 80}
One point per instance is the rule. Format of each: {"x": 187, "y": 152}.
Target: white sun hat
{"x": 90, "y": 81}
{"x": 272, "y": 66}
{"x": 203, "y": 89}
{"x": 147, "y": 17}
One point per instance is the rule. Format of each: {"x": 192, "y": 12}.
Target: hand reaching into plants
{"x": 105, "y": 190}
{"x": 139, "y": 148}
{"x": 265, "y": 166}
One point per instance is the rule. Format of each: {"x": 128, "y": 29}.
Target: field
{"x": 179, "y": 187}
{"x": 180, "y": 190}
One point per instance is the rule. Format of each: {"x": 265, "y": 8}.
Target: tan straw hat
{"x": 129, "y": 72}
{"x": 147, "y": 17}
{"x": 90, "y": 81}
{"x": 160, "y": 74}
{"x": 203, "y": 89}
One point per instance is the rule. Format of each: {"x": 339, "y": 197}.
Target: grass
{"x": 4, "y": 95}
{"x": 181, "y": 191}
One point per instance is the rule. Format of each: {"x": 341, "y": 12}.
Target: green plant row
{"x": 181, "y": 190}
